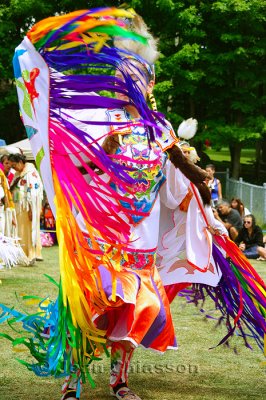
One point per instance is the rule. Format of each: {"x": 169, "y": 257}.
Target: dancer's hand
{"x": 213, "y": 230}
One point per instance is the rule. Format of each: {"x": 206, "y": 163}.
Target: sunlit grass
{"x": 193, "y": 372}
{"x": 248, "y": 156}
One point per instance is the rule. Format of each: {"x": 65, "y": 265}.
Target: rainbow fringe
{"x": 53, "y": 338}
{"x": 240, "y": 295}
{"x": 62, "y": 337}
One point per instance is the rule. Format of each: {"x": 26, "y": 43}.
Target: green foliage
{"x": 218, "y": 61}
{"x": 221, "y": 134}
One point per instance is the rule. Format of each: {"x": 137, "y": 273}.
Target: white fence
{"x": 253, "y": 196}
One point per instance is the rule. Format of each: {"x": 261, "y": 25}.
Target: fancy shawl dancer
{"x": 109, "y": 165}
{"x": 27, "y": 191}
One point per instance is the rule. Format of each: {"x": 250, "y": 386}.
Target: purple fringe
{"x": 226, "y": 298}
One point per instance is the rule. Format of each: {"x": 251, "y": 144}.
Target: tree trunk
{"x": 258, "y": 147}
{"x": 262, "y": 162}
{"x": 263, "y": 148}
{"x": 235, "y": 151}
{"x": 192, "y": 107}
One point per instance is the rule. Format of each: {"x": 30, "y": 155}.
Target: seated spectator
{"x": 230, "y": 218}
{"x": 250, "y": 239}
{"x": 214, "y": 184}
{"x": 238, "y": 205}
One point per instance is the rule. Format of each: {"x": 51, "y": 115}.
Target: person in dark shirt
{"x": 250, "y": 239}
{"x": 229, "y": 217}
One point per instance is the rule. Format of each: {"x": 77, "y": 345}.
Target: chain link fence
{"x": 253, "y": 196}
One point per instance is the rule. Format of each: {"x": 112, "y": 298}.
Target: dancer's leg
{"x": 121, "y": 354}
{"x": 71, "y": 388}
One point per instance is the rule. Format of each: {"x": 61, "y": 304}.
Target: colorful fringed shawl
{"x": 59, "y": 67}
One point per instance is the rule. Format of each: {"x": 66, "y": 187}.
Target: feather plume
{"x": 187, "y": 129}
{"x": 148, "y": 52}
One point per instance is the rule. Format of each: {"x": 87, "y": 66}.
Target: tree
{"x": 212, "y": 67}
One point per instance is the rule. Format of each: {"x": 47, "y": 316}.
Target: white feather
{"x": 187, "y": 129}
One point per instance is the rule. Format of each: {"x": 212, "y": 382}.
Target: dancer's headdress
{"x": 139, "y": 53}
{"x": 145, "y": 54}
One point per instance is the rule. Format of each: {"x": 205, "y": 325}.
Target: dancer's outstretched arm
{"x": 191, "y": 171}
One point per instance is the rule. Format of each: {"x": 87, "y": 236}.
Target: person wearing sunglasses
{"x": 250, "y": 239}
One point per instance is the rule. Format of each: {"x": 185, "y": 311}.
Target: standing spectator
{"x": 238, "y": 205}
{"x": 214, "y": 184}
{"x": 27, "y": 191}
{"x": 8, "y": 170}
{"x": 207, "y": 143}
{"x": 7, "y": 209}
{"x": 229, "y": 217}
{"x": 250, "y": 239}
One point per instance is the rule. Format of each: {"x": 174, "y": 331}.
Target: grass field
{"x": 221, "y": 159}
{"x": 193, "y": 372}
{"x": 248, "y": 156}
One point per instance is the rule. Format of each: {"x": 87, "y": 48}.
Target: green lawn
{"x": 248, "y": 156}
{"x": 221, "y": 160}
{"x": 193, "y": 372}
